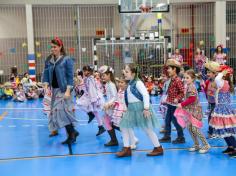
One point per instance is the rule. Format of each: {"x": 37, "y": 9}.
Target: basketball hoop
{"x": 145, "y": 9}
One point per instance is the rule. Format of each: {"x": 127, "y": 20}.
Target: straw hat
{"x": 212, "y": 66}
{"x": 173, "y": 62}
{"x": 7, "y": 84}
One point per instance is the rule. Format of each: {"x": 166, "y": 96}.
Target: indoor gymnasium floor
{"x": 26, "y": 149}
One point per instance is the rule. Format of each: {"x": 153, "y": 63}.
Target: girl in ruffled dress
{"x": 223, "y": 118}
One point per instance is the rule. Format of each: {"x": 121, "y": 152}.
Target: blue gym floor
{"x": 26, "y": 149}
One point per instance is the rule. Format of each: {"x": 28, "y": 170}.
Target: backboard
{"x": 143, "y": 6}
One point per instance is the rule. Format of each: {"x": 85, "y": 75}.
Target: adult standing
{"x": 58, "y": 78}
{"x": 200, "y": 60}
{"x": 177, "y": 56}
{"x": 220, "y": 57}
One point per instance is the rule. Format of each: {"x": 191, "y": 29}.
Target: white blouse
{"x": 143, "y": 90}
{"x": 111, "y": 92}
{"x": 219, "y": 80}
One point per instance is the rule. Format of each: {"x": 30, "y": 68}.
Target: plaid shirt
{"x": 175, "y": 91}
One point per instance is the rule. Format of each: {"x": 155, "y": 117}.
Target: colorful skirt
{"x": 134, "y": 117}
{"x": 83, "y": 103}
{"x": 184, "y": 118}
{"x": 62, "y": 111}
{"x": 118, "y": 112}
{"x": 223, "y": 121}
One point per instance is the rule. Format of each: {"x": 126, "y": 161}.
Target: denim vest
{"x": 64, "y": 68}
{"x": 134, "y": 91}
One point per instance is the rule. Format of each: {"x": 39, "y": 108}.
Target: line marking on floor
{"x": 88, "y": 154}
{"x": 3, "y": 115}
{"x": 17, "y": 118}
{"x": 12, "y": 126}
{"x": 154, "y": 104}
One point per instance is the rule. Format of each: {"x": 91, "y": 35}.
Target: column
{"x": 220, "y": 23}
{"x": 30, "y": 41}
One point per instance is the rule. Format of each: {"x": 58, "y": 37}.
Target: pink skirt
{"x": 184, "y": 118}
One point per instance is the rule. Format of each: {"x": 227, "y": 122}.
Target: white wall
{"x": 182, "y": 18}
{"x": 12, "y": 22}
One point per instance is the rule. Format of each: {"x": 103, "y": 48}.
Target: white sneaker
{"x": 204, "y": 149}
{"x": 194, "y": 148}
{"x": 133, "y": 146}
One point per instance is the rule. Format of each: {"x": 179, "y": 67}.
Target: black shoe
{"x": 71, "y": 140}
{"x": 165, "y": 139}
{"x": 67, "y": 141}
{"x": 233, "y": 154}
{"x": 228, "y": 150}
{"x": 179, "y": 140}
{"x": 111, "y": 143}
{"x": 115, "y": 127}
{"x": 101, "y": 130}
{"x": 91, "y": 116}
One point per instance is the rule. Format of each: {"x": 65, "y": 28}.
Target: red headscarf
{"x": 227, "y": 68}
{"x": 59, "y": 41}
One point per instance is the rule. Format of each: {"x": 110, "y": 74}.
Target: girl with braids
{"x": 139, "y": 113}
{"x": 58, "y": 78}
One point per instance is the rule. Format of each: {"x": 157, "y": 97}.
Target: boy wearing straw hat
{"x": 175, "y": 94}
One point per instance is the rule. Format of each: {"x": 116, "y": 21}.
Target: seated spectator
{"x": 8, "y": 91}
{"x": 19, "y": 95}
{"x": 32, "y": 93}
{"x": 1, "y": 90}
{"x": 40, "y": 89}
{"x": 26, "y": 82}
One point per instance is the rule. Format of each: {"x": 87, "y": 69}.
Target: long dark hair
{"x": 88, "y": 68}
{"x": 219, "y": 46}
{"x": 110, "y": 73}
{"x": 57, "y": 41}
{"x": 230, "y": 79}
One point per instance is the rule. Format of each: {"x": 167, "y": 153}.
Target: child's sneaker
{"x": 204, "y": 149}
{"x": 194, "y": 148}
{"x": 133, "y": 146}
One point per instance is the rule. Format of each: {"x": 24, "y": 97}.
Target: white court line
{"x": 234, "y": 102}
{"x": 26, "y": 125}
{"x": 22, "y": 108}
{"x": 154, "y": 104}
{"x": 40, "y": 125}
{"x": 11, "y": 126}
{"x": 16, "y": 118}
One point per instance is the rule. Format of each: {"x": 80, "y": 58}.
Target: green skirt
{"x": 134, "y": 117}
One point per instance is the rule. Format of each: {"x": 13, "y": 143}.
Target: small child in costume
{"x": 193, "y": 114}
{"x": 19, "y": 94}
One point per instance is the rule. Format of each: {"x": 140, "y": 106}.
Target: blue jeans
{"x": 212, "y": 107}
{"x": 171, "y": 118}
